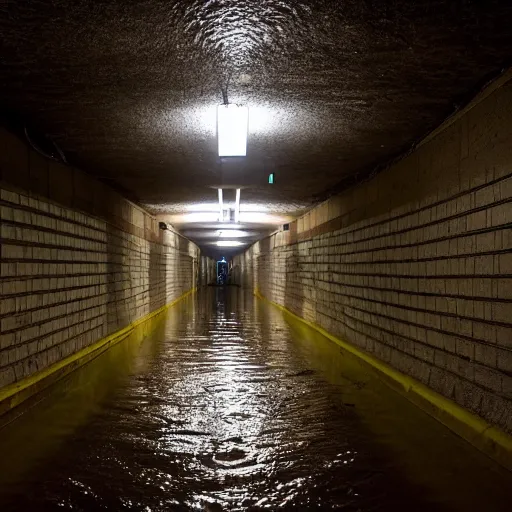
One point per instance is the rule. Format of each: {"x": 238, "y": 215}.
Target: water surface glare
{"x": 231, "y": 405}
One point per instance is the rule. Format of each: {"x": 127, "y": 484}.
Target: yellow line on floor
{"x": 14, "y": 394}
{"x": 489, "y": 439}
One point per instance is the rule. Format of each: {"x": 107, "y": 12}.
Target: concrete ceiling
{"x": 128, "y": 91}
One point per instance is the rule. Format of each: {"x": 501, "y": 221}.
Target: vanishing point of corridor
{"x": 232, "y": 405}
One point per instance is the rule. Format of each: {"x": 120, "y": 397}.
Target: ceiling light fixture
{"x": 221, "y": 206}
{"x": 232, "y": 128}
{"x": 228, "y": 243}
{"x": 231, "y": 233}
{"x": 237, "y": 206}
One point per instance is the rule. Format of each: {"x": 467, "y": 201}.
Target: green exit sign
{"x": 271, "y": 178}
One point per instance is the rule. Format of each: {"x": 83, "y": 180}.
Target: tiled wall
{"x": 415, "y": 266}
{"x": 76, "y": 267}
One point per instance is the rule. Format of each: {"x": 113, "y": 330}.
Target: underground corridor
{"x": 256, "y": 255}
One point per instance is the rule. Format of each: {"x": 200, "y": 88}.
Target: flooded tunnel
{"x": 255, "y": 255}
{"x": 230, "y": 404}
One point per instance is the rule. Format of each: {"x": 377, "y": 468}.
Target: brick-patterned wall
{"x": 415, "y": 266}
{"x": 207, "y": 269}
{"x": 78, "y": 269}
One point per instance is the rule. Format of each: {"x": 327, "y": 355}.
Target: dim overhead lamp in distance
{"x": 229, "y": 243}
{"x": 231, "y": 233}
{"x": 232, "y": 128}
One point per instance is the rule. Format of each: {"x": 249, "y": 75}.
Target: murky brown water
{"x": 228, "y": 405}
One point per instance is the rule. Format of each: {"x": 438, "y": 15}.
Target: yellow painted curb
{"x": 489, "y": 439}
{"x": 14, "y": 394}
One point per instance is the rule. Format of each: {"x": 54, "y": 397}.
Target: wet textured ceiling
{"x": 128, "y": 89}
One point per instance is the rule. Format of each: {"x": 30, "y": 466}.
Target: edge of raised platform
{"x": 15, "y": 394}
{"x": 487, "y": 438}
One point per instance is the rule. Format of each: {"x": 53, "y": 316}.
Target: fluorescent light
{"x": 234, "y": 233}
{"x": 237, "y": 206}
{"x": 224, "y": 226}
{"x": 232, "y": 127}
{"x": 221, "y": 206}
{"x": 229, "y": 243}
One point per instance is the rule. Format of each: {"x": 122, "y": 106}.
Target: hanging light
{"x": 232, "y": 128}
{"x": 229, "y": 243}
{"x": 221, "y": 206}
{"x": 237, "y": 206}
{"x": 232, "y": 233}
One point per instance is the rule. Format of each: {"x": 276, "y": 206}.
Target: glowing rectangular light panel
{"x": 232, "y": 128}
{"x": 229, "y": 243}
{"x": 231, "y": 233}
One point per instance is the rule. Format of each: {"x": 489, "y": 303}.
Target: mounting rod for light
{"x": 232, "y": 128}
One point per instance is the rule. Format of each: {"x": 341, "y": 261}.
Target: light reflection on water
{"x": 229, "y": 406}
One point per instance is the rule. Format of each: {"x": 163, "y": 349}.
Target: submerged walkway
{"x": 229, "y": 405}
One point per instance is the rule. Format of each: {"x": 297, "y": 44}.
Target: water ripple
{"x": 235, "y": 419}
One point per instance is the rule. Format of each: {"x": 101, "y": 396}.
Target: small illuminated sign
{"x": 271, "y": 178}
